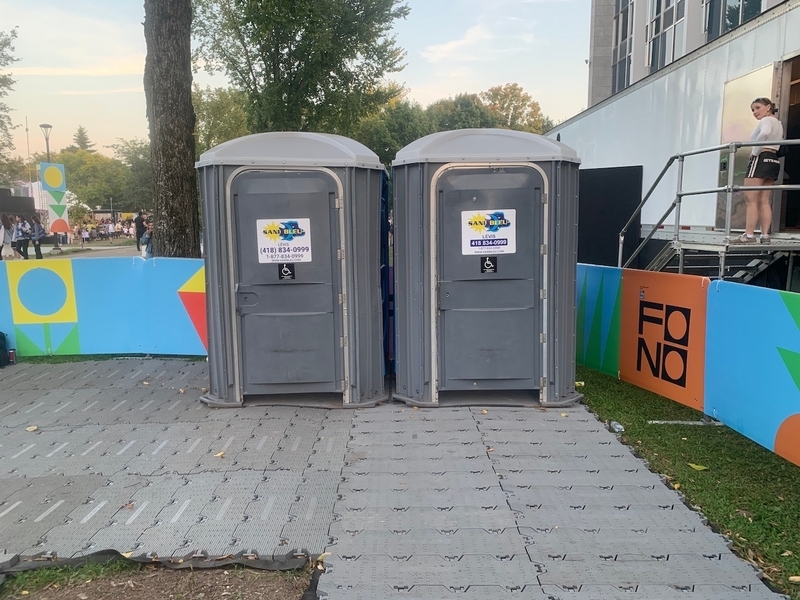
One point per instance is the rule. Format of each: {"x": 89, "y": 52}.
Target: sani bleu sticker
{"x": 490, "y": 232}
{"x": 284, "y": 240}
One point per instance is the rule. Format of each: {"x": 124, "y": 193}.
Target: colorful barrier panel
{"x": 104, "y": 306}
{"x": 753, "y": 364}
{"x": 729, "y": 350}
{"x": 598, "y": 328}
{"x": 662, "y": 338}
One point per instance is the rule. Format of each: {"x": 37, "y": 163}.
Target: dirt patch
{"x": 159, "y": 582}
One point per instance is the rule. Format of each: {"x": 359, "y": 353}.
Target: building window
{"x": 723, "y": 15}
{"x": 623, "y": 45}
{"x": 666, "y": 32}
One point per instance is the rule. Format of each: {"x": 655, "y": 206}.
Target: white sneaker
{"x": 744, "y": 239}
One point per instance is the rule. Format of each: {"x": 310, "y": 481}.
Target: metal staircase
{"x": 711, "y": 253}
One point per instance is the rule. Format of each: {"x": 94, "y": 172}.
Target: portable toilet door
{"x": 487, "y": 227}
{"x": 289, "y": 329}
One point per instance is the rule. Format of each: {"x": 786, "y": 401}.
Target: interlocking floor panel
{"x": 463, "y": 503}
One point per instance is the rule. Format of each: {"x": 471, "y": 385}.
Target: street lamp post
{"x": 46, "y": 128}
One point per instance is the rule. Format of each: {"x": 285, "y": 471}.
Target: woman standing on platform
{"x": 763, "y": 169}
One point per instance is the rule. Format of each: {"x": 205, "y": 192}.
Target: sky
{"x": 81, "y": 62}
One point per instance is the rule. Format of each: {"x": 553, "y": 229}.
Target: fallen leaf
{"x": 181, "y": 390}
{"x": 145, "y": 383}
{"x": 415, "y": 407}
{"x": 127, "y": 554}
{"x": 579, "y": 384}
{"x": 129, "y": 506}
{"x": 564, "y": 414}
{"x": 83, "y": 597}
{"x": 219, "y": 454}
{"x": 698, "y": 467}
{"x": 322, "y": 556}
{"x": 490, "y": 450}
{"x": 31, "y": 428}
{"x": 484, "y": 412}
{"x": 676, "y": 486}
{"x": 794, "y": 579}
{"x": 788, "y": 553}
{"x": 25, "y": 592}
{"x": 684, "y": 439}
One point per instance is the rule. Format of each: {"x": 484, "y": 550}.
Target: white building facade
{"x": 670, "y": 76}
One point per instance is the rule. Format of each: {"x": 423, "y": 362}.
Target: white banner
{"x": 486, "y": 233}
{"x": 284, "y": 240}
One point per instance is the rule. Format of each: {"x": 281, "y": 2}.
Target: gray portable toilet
{"x": 485, "y": 238}
{"x": 292, "y": 252}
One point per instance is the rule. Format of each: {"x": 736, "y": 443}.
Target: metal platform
{"x": 412, "y": 504}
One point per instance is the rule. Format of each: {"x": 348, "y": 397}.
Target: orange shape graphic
{"x": 787, "y": 441}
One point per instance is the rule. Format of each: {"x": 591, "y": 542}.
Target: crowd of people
{"x": 17, "y": 234}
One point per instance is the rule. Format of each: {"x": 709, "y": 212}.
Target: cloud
{"x": 455, "y": 49}
{"x": 132, "y": 67}
{"x": 127, "y": 90}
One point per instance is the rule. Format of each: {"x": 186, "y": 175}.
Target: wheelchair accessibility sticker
{"x": 492, "y": 232}
{"x": 282, "y": 241}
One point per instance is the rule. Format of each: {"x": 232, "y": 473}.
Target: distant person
{"x": 111, "y": 231}
{"x": 147, "y": 242}
{"x": 6, "y": 234}
{"x": 24, "y": 231}
{"x": 37, "y": 235}
{"x": 140, "y": 228}
{"x": 763, "y": 169}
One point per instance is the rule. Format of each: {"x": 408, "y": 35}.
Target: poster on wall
{"x": 488, "y": 232}
{"x": 662, "y": 334}
{"x": 284, "y": 240}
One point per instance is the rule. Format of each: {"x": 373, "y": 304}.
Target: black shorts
{"x": 765, "y": 165}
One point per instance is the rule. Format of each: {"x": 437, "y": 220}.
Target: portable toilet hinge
{"x": 339, "y": 254}
{"x": 542, "y": 383}
{"x": 543, "y": 338}
{"x": 341, "y": 298}
{"x": 543, "y": 249}
{"x": 543, "y": 294}
{"x": 544, "y": 198}
{"x": 337, "y": 202}
{"x": 343, "y": 341}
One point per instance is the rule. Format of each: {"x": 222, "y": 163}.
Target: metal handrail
{"x": 729, "y": 189}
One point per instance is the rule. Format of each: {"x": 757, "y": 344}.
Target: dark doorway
{"x": 791, "y": 163}
{"x": 607, "y": 199}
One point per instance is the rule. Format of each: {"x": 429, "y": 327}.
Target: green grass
{"x": 32, "y": 581}
{"x": 747, "y": 493}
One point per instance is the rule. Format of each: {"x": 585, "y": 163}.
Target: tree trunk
{"x": 168, "y": 90}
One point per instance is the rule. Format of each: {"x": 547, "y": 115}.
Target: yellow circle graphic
{"x": 53, "y": 177}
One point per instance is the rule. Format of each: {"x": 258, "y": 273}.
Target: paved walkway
{"x": 451, "y": 503}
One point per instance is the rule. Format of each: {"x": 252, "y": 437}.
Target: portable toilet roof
{"x": 486, "y": 146}
{"x": 292, "y": 149}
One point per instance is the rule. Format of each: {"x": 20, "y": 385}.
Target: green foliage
{"x": 221, "y": 116}
{"x": 81, "y": 139}
{"x": 462, "y": 112}
{"x": 518, "y": 110}
{"x": 38, "y": 579}
{"x": 137, "y": 191}
{"x": 394, "y": 127}
{"x": 94, "y": 178}
{"x": 304, "y": 64}
{"x": 6, "y": 86}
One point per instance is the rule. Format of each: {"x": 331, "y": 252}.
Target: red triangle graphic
{"x": 195, "y": 305}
